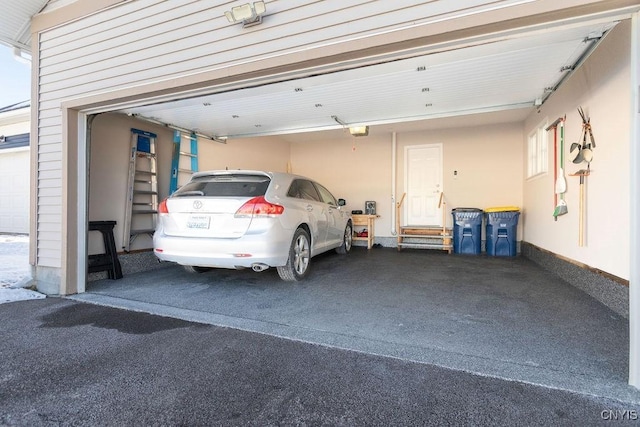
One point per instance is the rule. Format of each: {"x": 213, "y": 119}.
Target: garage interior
{"x": 504, "y": 317}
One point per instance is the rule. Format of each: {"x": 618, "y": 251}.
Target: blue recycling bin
{"x": 467, "y": 230}
{"x": 502, "y": 231}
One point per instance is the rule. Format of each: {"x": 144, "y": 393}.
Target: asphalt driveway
{"x": 497, "y": 317}
{"x": 65, "y": 363}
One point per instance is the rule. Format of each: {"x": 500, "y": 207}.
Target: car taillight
{"x": 258, "y": 206}
{"x": 162, "y": 207}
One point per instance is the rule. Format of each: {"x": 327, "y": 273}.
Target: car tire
{"x": 347, "y": 240}
{"x": 194, "y": 269}
{"x": 299, "y": 259}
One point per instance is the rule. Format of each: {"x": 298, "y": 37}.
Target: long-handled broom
{"x": 561, "y": 182}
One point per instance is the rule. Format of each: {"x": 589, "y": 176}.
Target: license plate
{"x": 200, "y": 222}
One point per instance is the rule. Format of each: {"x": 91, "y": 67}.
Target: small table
{"x": 107, "y": 261}
{"x": 367, "y": 221}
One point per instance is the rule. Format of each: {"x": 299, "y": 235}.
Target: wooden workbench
{"x": 368, "y": 222}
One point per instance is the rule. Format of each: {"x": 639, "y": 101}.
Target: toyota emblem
{"x": 197, "y": 204}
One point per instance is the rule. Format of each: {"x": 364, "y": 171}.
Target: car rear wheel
{"x": 347, "y": 240}
{"x": 195, "y": 269}
{"x": 299, "y": 259}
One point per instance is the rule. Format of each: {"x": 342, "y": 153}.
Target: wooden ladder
{"x": 424, "y": 236}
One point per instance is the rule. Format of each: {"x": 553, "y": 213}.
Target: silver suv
{"x": 251, "y": 219}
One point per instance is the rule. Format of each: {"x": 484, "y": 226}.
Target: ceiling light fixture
{"x": 249, "y": 14}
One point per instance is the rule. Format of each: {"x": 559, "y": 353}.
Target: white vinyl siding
{"x": 146, "y": 41}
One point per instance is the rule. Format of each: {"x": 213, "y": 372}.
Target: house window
{"x": 537, "y": 157}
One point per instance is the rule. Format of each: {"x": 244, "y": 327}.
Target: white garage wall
{"x": 356, "y": 175}
{"x": 357, "y": 169}
{"x": 488, "y": 160}
{"x": 109, "y": 168}
{"x": 602, "y": 88}
{"x": 265, "y": 153}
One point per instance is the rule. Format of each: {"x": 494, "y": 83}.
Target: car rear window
{"x": 225, "y": 186}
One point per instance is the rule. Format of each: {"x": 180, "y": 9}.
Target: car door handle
{"x": 309, "y": 208}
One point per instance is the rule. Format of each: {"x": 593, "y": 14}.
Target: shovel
{"x": 561, "y": 182}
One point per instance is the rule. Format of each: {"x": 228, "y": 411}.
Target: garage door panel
{"x": 14, "y": 192}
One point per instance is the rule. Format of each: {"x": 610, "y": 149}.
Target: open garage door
{"x": 504, "y": 72}
{"x": 14, "y": 189}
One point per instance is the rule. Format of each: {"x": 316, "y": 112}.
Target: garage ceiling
{"x": 511, "y": 74}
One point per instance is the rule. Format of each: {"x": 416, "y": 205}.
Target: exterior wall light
{"x": 249, "y": 14}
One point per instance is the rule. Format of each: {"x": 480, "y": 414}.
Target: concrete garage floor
{"x": 500, "y": 317}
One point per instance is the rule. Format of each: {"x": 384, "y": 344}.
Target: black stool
{"x": 107, "y": 261}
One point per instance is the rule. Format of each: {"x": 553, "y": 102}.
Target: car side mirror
{"x": 342, "y": 202}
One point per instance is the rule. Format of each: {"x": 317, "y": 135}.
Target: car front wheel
{"x": 299, "y": 259}
{"x": 347, "y": 240}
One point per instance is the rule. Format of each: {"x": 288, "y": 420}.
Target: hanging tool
{"x": 554, "y": 126}
{"x": 561, "y": 182}
{"x": 582, "y": 173}
{"x": 585, "y": 149}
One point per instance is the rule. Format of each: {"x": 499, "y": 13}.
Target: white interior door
{"x": 423, "y": 183}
